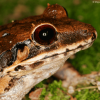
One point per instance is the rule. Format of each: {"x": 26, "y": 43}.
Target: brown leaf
{"x": 34, "y": 95}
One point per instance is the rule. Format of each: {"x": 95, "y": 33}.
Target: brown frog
{"x": 34, "y": 48}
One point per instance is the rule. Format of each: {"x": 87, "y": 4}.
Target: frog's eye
{"x": 44, "y": 34}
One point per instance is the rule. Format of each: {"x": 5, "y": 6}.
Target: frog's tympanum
{"x": 34, "y": 48}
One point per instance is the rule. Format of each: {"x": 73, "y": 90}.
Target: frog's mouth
{"x": 80, "y": 47}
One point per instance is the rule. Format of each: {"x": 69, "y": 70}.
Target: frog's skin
{"x": 26, "y": 59}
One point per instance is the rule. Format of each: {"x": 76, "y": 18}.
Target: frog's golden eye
{"x": 44, "y": 34}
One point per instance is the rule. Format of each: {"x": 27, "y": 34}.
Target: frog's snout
{"x": 94, "y": 36}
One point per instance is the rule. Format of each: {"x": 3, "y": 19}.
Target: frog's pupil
{"x": 46, "y": 34}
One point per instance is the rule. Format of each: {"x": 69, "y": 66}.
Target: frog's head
{"x": 40, "y": 45}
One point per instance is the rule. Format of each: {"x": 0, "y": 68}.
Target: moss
{"x": 54, "y": 91}
{"x": 88, "y": 95}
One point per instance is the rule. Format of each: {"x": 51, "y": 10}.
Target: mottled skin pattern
{"x": 22, "y": 57}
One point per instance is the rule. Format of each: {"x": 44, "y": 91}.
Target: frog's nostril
{"x": 94, "y": 35}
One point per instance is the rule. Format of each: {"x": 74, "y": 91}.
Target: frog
{"x": 34, "y": 48}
